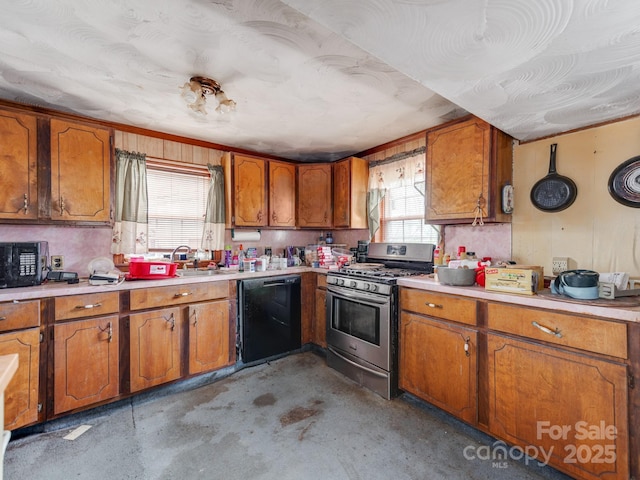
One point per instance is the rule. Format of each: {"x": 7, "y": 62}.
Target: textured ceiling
{"x": 319, "y": 80}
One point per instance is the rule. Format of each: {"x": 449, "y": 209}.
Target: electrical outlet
{"x": 57, "y": 262}
{"x": 560, "y": 264}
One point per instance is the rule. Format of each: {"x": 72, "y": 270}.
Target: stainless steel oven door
{"x": 359, "y": 323}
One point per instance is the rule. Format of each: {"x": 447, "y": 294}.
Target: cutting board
{"x": 620, "y": 302}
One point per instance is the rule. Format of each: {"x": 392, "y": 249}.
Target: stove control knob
{"x": 367, "y": 286}
{"x": 341, "y": 281}
{"x": 353, "y": 284}
{"x": 374, "y": 287}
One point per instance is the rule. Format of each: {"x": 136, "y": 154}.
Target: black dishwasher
{"x": 269, "y": 310}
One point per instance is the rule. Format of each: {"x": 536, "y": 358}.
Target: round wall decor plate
{"x": 624, "y": 183}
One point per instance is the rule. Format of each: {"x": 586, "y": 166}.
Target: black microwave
{"x": 23, "y": 264}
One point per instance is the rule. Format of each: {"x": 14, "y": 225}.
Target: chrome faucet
{"x": 173, "y": 254}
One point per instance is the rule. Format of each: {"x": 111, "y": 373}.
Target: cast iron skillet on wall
{"x": 554, "y": 192}
{"x": 624, "y": 183}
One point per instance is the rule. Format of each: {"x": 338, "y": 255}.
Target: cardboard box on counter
{"x": 521, "y": 279}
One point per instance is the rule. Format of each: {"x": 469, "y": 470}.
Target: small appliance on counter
{"x": 23, "y": 264}
{"x": 581, "y": 284}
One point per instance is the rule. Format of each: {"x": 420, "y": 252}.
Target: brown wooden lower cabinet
{"x": 154, "y": 347}
{"x": 85, "y": 362}
{"x": 438, "y": 363}
{"x": 569, "y": 407}
{"x": 208, "y": 336}
{"x": 21, "y": 395}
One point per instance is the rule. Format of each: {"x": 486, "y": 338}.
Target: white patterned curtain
{"x": 130, "y": 231}
{"x": 213, "y": 232}
{"x": 391, "y": 173}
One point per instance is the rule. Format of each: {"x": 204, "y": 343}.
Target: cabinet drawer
{"x": 89, "y": 305}
{"x": 448, "y": 307}
{"x": 590, "y": 334}
{"x": 177, "y": 294}
{"x": 19, "y": 315}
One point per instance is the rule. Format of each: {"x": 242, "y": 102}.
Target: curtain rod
{"x": 399, "y": 156}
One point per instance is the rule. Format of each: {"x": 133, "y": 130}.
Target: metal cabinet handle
{"x": 61, "y": 206}
{"x": 172, "y": 321}
{"x": 260, "y": 215}
{"x": 109, "y": 329}
{"x": 26, "y": 203}
{"x": 94, "y": 305}
{"x": 274, "y": 217}
{"x": 184, "y": 294}
{"x": 3, "y": 318}
{"x": 433, "y": 305}
{"x": 555, "y": 332}
{"x": 195, "y": 318}
{"x": 466, "y": 346}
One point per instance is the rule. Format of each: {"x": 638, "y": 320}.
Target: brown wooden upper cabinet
{"x": 18, "y": 166}
{"x": 314, "y": 195}
{"x": 350, "y": 181}
{"x": 282, "y": 194}
{"x": 80, "y": 172}
{"x": 468, "y": 163}
{"x": 249, "y": 191}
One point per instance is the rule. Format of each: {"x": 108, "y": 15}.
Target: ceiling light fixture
{"x": 195, "y": 93}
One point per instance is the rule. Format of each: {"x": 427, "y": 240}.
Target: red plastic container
{"x": 141, "y": 270}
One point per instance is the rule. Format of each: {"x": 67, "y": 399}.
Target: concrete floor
{"x": 290, "y": 419}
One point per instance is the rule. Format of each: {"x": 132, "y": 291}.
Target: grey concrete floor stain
{"x": 264, "y": 400}
{"x": 289, "y": 419}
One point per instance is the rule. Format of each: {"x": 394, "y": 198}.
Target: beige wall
{"x": 597, "y": 232}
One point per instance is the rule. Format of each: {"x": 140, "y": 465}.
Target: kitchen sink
{"x": 198, "y": 272}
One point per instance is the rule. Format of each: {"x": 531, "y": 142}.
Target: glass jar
{"x": 329, "y": 238}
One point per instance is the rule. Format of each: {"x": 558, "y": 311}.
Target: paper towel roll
{"x": 245, "y": 235}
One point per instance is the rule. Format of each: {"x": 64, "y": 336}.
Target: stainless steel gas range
{"x": 362, "y": 313}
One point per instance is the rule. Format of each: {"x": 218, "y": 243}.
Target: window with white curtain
{"x": 402, "y": 206}
{"x": 177, "y": 204}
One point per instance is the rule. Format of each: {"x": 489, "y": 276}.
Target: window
{"x": 177, "y": 203}
{"x": 403, "y": 216}
{"x": 401, "y": 179}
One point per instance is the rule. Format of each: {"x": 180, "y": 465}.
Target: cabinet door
{"x": 18, "y": 167}
{"x": 350, "y": 182}
{"x": 208, "y": 336}
{"x": 85, "y": 362}
{"x": 438, "y": 364}
{"x": 250, "y": 202}
{"x": 80, "y": 172}
{"x": 320, "y": 320}
{"x": 21, "y": 395}
{"x": 154, "y": 339}
{"x": 457, "y": 176}
{"x": 341, "y": 193}
{"x": 314, "y": 195}
{"x": 282, "y": 194}
{"x": 569, "y": 405}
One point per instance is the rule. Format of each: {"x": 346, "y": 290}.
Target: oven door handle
{"x": 361, "y": 297}
{"x": 362, "y": 367}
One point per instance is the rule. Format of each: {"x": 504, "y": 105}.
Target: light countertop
{"x": 59, "y": 289}
{"x": 612, "y": 312}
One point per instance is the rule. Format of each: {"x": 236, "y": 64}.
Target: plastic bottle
{"x": 227, "y": 256}
{"x": 437, "y": 257}
{"x": 241, "y": 259}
